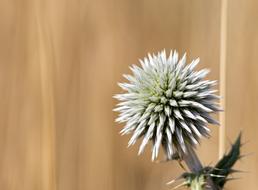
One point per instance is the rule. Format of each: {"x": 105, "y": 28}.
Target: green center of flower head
{"x": 167, "y": 102}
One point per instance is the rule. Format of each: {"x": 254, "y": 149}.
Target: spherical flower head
{"x": 167, "y": 102}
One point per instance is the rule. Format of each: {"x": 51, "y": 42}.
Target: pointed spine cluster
{"x": 167, "y": 102}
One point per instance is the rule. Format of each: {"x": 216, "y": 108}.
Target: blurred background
{"x": 60, "y": 62}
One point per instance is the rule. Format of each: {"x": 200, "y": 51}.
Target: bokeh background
{"x": 60, "y": 62}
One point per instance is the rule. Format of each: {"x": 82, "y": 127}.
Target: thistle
{"x": 168, "y": 103}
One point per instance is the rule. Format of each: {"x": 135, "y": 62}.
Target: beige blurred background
{"x": 60, "y": 62}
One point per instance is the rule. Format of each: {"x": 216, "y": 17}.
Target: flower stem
{"x": 195, "y": 166}
{"x": 191, "y": 160}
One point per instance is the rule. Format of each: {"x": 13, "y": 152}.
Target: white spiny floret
{"x": 167, "y": 102}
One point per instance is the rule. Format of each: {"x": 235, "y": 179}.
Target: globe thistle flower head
{"x": 168, "y": 103}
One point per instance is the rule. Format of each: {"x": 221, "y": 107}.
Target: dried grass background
{"x": 59, "y": 65}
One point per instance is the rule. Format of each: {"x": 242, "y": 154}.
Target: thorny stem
{"x": 194, "y": 165}
{"x": 191, "y": 160}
